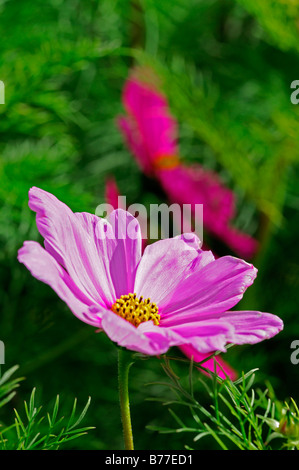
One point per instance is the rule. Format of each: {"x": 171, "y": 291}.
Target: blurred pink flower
{"x": 151, "y": 134}
{"x": 194, "y": 185}
{"x": 149, "y": 129}
{"x": 174, "y": 294}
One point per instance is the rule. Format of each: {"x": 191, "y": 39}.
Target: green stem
{"x": 124, "y": 363}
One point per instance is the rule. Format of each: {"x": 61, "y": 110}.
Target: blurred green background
{"x": 226, "y": 66}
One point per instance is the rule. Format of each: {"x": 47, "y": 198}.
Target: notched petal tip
{"x": 191, "y": 239}
{"x": 29, "y": 247}
{"x": 35, "y": 192}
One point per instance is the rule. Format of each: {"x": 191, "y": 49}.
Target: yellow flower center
{"x": 136, "y": 310}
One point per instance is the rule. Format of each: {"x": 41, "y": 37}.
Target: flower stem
{"x": 124, "y": 363}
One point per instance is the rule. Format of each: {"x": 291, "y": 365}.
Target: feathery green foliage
{"x": 36, "y": 430}
{"x": 238, "y": 416}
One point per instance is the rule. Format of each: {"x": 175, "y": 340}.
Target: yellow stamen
{"x": 136, "y": 310}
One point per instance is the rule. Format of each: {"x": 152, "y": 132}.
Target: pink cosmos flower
{"x": 222, "y": 368}
{"x": 151, "y": 134}
{"x": 174, "y": 294}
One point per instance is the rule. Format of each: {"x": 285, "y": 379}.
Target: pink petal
{"x": 216, "y": 287}
{"x": 127, "y": 251}
{"x": 222, "y": 368}
{"x": 128, "y": 336}
{"x": 159, "y": 131}
{"x": 100, "y": 255}
{"x": 135, "y": 143}
{"x": 149, "y": 129}
{"x": 196, "y": 185}
{"x": 46, "y": 269}
{"x": 138, "y": 97}
{"x": 251, "y": 327}
{"x": 239, "y": 242}
{"x": 162, "y": 267}
{"x": 204, "y": 336}
{"x": 75, "y": 241}
{"x": 204, "y": 256}
{"x": 112, "y": 194}
{"x": 192, "y": 240}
